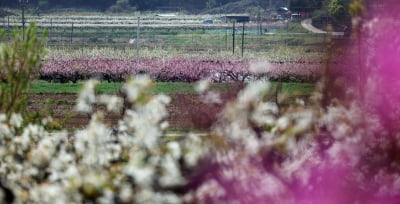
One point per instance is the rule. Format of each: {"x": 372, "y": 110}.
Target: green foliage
{"x": 121, "y": 6}
{"x": 20, "y": 61}
{"x": 42, "y": 87}
{"x": 333, "y": 12}
{"x": 211, "y": 3}
{"x": 338, "y": 9}
{"x": 43, "y": 4}
{"x": 305, "y": 5}
{"x": 255, "y": 11}
{"x": 173, "y": 5}
{"x": 357, "y": 8}
{"x": 317, "y": 14}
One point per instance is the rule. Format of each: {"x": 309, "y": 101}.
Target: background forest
{"x": 187, "y": 5}
{"x": 334, "y": 11}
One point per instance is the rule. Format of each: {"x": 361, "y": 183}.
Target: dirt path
{"x": 307, "y": 24}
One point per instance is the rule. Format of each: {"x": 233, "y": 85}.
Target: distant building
{"x": 208, "y": 21}
{"x": 295, "y": 16}
{"x": 169, "y": 9}
{"x": 284, "y": 12}
{"x": 238, "y": 19}
{"x": 166, "y": 15}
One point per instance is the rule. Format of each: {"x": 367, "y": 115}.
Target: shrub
{"x": 20, "y": 62}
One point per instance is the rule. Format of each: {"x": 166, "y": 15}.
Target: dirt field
{"x": 186, "y": 111}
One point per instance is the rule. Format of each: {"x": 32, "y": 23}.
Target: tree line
{"x": 106, "y": 4}
{"x": 189, "y": 5}
{"x": 338, "y": 9}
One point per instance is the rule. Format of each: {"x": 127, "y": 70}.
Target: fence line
{"x": 190, "y": 39}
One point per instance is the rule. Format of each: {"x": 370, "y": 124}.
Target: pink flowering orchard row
{"x": 176, "y": 69}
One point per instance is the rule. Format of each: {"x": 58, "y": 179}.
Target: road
{"x": 306, "y": 23}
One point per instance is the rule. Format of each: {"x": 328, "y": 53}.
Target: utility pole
{"x": 226, "y": 38}
{"x": 243, "y": 39}
{"x": 233, "y": 37}
{"x": 259, "y": 22}
{"x": 72, "y": 31}
{"x": 138, "y": 38}
{"x": 8, "y": 27}
{"x": 23, "y": 4}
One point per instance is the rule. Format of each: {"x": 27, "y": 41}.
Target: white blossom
{"x": 303, "y": 120}
{"x": 16, "y": 120}
{"x": 135, "y": 87}
{"x": 126, "y": 193}
{"x": 195, "y": 151}
{"x": 254, "y": 91}
{"x": 3, "y": 117}
{"x": 142, "y": 174}
{"x": 265, "y": 113}
{"x": 201, "y": 86}
{"x": 283, "y": 123}
{"x": 260, "y": 66}
{"x": 113, "y": 103}
{"x": 49, "y": 193}
{"x": 44, "y": 152}
{"x": 47, "y": 120}
{"x": 174, "y": 149}
{"x": 87, "y": 97}
{"x": 212, "y": 97}
{"x": 210, "y": 188}
{"x": 94, "y": 143}
{"x": 170, "y": 175}
{"x": 5, "y": 131}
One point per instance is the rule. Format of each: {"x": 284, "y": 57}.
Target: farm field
{"x": 187, "y": 112}
{"x": 175, "y": 52}
{"x": 184, "y": 33}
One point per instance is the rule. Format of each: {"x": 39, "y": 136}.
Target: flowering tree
{"x": 178, "y": 69}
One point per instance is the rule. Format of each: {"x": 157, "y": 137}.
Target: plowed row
{"x": 186, "y": 111}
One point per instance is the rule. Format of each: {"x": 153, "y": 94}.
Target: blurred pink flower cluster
{"x": 350, "y": 151}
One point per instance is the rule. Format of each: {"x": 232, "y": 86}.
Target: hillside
{"x": 116, "y": 6}
{"x": 235, "y": 7}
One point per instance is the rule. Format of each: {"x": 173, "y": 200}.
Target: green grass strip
{"x": 40, "y": 87}
{"x": 109, "y": 88}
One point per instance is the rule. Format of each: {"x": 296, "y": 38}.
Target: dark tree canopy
{"x": 189, "y": 5}
{"x": 95, "y": 4}
{"x": 305, "y": 5}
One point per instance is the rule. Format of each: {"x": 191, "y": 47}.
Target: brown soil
{"x": 186, "y": 111}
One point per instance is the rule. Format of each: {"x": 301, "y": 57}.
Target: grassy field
{"x": 188, "y": 39}
{"x": 40, "y": 87}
